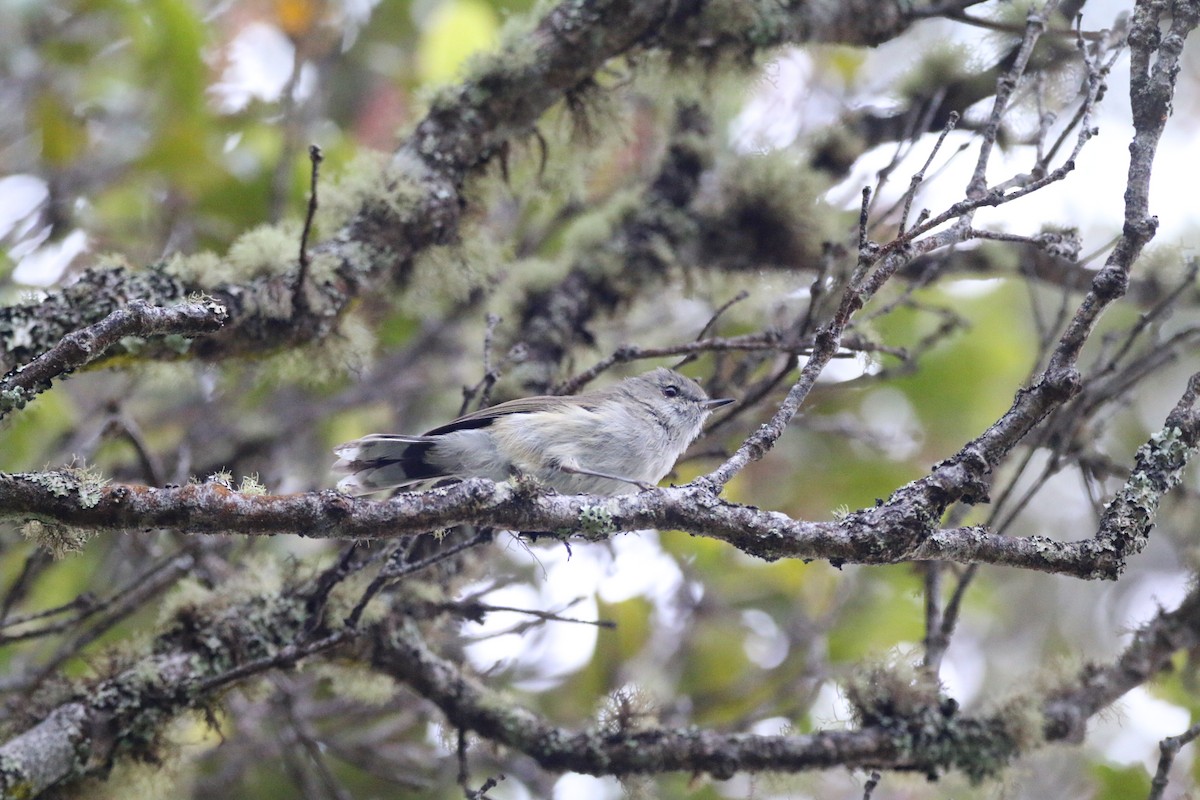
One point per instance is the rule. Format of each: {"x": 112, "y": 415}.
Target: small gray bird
{"x": 604, "y": 442}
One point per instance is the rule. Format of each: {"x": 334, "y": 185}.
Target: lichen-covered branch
{"x": 123, "y": 714}
{"x": 893, "y": 533}
{"x": 137, "y": 321}
{"x": 967, "y": 475}
{"x": 421, "y": 202}
{"x": 554, "y": 320}
{"x": 903, "y": 724}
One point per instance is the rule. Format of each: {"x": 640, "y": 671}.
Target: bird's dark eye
{"x": 670, "y": 390}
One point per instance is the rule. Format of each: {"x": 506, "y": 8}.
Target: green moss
{"x": 447, "y": 274}
{"x": 941, "y": 65}
{"x": 766, "y": 213}
{"x": 265, "y": 250}
{"x": 927, "y": 728}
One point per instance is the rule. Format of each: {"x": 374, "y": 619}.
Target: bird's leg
{"x": 574, "y": 469}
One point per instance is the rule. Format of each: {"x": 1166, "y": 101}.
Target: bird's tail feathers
{"x": 384, "y": 461}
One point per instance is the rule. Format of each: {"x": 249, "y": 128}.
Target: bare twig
{"x": 871, "y": 784}
{"x": 1169, "y": 749}
{"x": 397, "y": 568}
{"x": 491, "y": 372}
{"x": 315, "y": 156}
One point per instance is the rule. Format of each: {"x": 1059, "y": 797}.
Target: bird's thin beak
{"x": 711, "y": 404}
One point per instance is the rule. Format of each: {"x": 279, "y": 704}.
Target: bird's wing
{"x": 486, "y": 416}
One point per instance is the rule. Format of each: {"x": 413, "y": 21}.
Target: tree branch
{"x": 82, "y": 347}
{"x": 422, "y": 203}
{"x": 915, "y": 733}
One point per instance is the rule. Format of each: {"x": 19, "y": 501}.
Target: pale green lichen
{"x": 592, "y": 231}
{"x": 131, "y": 345}
{"x": 221, "y": 478}
{"x": 78, "y": 480}
{"x": 355, "y": 682}
{"x": 945, "y": 64}
{"x": 485, "y": 70}
{"x": 14, "y": 399}
{"x": 447, "y": 274}
{"x": 19, "y": 333}
{"x": 265, "y": 250}
{"x": 1160, "y": 468}
{"x": 759, "y": 24}
{"x": 188, "y": 593}
{"x": 596, "y": 522}
{"x": 113, "y": 261}
{"x": 1169, "y": 442}
{"x": 323, "y": 363}
{"x": 364, "y": 177}
{"x": 721, "y": 92}
{"x": 202, "y": 269}
{"x": 163, "y": 775}
{"x": 58, "y": 540}
{"x": 177, "y": 342}
{"x": 767, "y": 213}
{"x": 251, "y": 485}
{"x": 402, "y": 189}
{"x": 926, "y": 727}
{"x": 628, "y": 709}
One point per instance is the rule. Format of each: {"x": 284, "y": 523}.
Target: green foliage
{"x": 966, "y": 382}
{"x": 884, "y": 613}
{"x": 456, "y": 30}
{"x": 28, "y": 438}
{"x": 1117, "y": 783}
{"x": 614, "y": 648}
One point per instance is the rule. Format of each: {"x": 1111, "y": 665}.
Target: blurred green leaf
{"x": 63, "y": 135}
{"x": 614, "y": 649}
{"x": 965, "y": 383}
{"x": 456, "y": 30}
{"x": 28, "y": 438}
{"x": 1121, "y": 783}
{"x": 885, "y": 611}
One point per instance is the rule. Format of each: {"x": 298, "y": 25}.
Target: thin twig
{"x": 871, "y": 784}
{"x": 285, "y": 657}
{"x": 728, "y": 304}
{"x": 1169, "y": 748}
{"x": 477, "y": 610}
{"x": 315, "y": 156}
{"x": 919, "y": 177}
{"x": 395, "y": 569}
{"x": 491, "y": 372}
